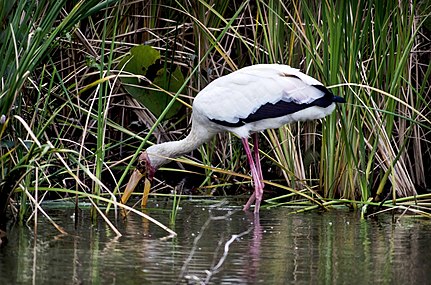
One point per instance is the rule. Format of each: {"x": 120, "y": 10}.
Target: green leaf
{"x": 144, "y": 60}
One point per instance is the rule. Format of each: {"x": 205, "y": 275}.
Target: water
{"x": 335, "y": 247}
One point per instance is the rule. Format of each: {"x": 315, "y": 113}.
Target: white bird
{"x": 247, "y": 101}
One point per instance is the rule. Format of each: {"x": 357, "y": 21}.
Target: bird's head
{"x": 143, "y": 169}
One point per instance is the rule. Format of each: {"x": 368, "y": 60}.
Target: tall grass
{"x": 38, "y": 108}
{"x": 68, "y": 117}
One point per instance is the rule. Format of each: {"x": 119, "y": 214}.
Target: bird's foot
{"x": 255, "y": 198}
{"x": 249, "y": 202}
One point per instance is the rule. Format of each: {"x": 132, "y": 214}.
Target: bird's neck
{"x": 160, "y": 154}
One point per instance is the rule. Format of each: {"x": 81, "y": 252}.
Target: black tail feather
{"x": 339, "y": 99}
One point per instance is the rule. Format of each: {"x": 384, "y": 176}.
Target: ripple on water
{"x": 276, "y": 248}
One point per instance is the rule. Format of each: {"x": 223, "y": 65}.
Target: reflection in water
{"x": 222, "y": 246}
{"x": 254, "y": 248}
{"x": 216, "y": 267}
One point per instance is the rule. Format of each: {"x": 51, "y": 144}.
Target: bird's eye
{"x": 141, "y": 166}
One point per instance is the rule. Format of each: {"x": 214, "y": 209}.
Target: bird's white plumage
{"x": 239, "y": 94}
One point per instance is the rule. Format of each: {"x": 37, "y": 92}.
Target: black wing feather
{"x": 281, "y": 108}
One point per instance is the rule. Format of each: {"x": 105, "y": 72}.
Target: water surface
{"x": 221, "y": 245}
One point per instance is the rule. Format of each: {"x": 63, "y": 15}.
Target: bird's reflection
{"x": 254, "y": 247}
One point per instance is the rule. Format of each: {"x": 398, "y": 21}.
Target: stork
{"x": 244, "y": 102}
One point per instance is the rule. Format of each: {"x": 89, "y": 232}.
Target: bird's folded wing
{"x": 251, "y": 97}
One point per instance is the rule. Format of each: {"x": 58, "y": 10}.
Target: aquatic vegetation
{"x": 68, "y": 128}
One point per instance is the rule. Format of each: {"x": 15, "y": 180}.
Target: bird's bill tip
{"x": 131, "y": 185}
{"x": 147, "y": 187}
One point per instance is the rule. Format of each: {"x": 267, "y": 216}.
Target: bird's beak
{"x": 131, "y": 185}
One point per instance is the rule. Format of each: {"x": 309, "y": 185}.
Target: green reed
{"x": 69, "y": 118}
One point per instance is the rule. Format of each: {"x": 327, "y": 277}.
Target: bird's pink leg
{"x": 250, "y": 201}
{"x": 259, "y": 171}
{"x": 257, "y": 158}
{"x": 258, "y": 189}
